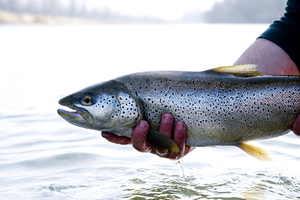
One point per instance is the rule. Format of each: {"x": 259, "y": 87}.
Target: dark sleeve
{"x": 286, "y": 31}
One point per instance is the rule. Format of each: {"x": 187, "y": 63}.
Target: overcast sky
{"x": 165, "y": 9}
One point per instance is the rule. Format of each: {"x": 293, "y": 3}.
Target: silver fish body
{"x": 218, "y": 108}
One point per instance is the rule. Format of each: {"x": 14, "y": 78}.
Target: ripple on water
{"x": 85, "y": 175}
{"x": 228, "y": 183}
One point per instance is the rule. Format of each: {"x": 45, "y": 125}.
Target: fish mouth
{"x": 76, "y": 115}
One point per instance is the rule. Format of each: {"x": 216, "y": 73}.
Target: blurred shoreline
{"x": 26, "y": 18}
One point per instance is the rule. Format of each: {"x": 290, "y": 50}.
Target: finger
{"x": 166, "y": 124}
{"x": 139, "y": 137}
{"x": 180, "y": 134}
{"x": 296, "y": 126}
{"x": 166, "y": 127}
{"x": 179, "y": 139}
{"x": 116, "y": 139}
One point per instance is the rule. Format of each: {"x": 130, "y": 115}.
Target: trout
{"x": 225, "y": 106}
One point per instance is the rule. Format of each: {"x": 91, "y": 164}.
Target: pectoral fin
{"x": 162, "y": 141}
{"x": 239, "y": 70}
{"x": 254, "y": 151}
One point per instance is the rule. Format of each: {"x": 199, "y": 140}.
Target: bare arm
{"x": 270, "y": 60}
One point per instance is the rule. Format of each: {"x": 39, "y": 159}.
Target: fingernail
{"x": 167, "y": 118}
{"x": 142, "y": 125}
{"x": 180, "y": 126}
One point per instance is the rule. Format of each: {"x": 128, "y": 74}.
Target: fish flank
{"x": 216, "y": 107}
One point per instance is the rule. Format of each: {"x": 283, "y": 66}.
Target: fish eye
{"x": 87, "y": 100}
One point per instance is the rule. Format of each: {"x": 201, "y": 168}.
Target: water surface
{"x": 43, "y": 157}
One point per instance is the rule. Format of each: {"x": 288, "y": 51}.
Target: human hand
{"x": 296, "y": 126}
{"x": 139, "y": 138}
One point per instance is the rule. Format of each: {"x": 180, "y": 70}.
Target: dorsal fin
{"x": 239, "y": 70}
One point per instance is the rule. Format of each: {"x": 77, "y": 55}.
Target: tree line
{"x": 227, "y": 11}
{"x": 246, "y": 11}
{"x": 69, "y": 8}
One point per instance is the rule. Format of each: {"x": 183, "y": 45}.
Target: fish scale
{"x": 222, "y": 106}
{"x": 214, "y": 113}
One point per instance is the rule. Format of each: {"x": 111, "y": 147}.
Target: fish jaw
{"x": 71, "y": 117}
{"x": 78, "y": 116}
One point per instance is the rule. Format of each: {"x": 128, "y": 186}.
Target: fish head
{"x": 104, "y": 107}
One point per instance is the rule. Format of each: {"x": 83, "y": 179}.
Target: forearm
{"x": 269, "y": 58}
